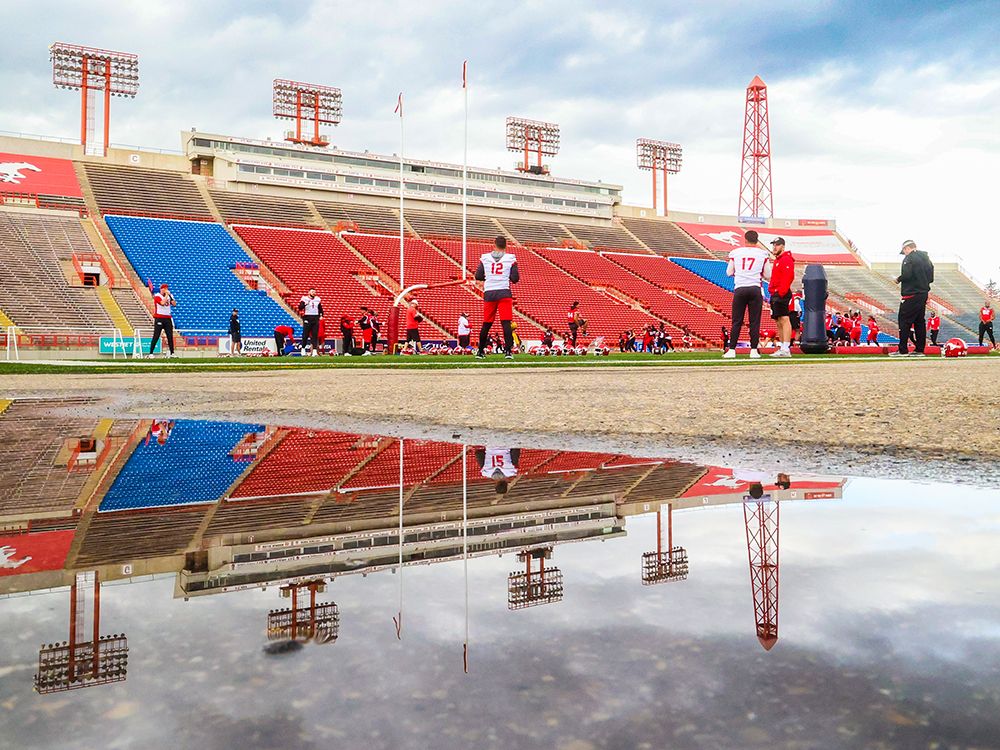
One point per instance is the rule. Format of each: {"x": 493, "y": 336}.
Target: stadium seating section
{"x": 193, "y": 465}
{"x": 368, "y": 218}
{"x": 130, "y": 190}
{"x": 664, "y": 237}
{"x": 196, "y": 258}
{"x": 252, "y": 208}
{"x": 606, "y": 236}
{"x": 441, "y": 224}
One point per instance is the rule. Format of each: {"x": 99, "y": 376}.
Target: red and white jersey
{"x": 310, "y": 305}
{"x": 497, "y": 271}
{"x": 748, "y": 265}
{"x": 986, "y": 314}
{"x": 162, "y": 302}
{"x": 498, "y": 458}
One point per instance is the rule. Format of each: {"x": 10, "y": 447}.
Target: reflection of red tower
{"x": 664, "y": 565}
{"x": 317, "y": 622}
{"x": 761, "y": 517}
{"x": 80, "y": 663}
{"x": 755, "y": 175}
{"x": 534, "y": 586}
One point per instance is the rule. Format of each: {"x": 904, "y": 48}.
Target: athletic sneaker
{"x": 730, "y": 354}
{"x": 366, "y": 354}
{"x": 782, "y": 354}
{"x": 508, "y": 356}
{"x": 916, "y": 354}
{"x": 480, "y": 355}
{"x": 754, "y": 354}
{"x": 897, "y": 353}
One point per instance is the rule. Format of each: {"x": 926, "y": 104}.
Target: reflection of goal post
{"x": 534, "y": 586}
{"x": 317, "y": 622}
{"x": 664, "y": 565}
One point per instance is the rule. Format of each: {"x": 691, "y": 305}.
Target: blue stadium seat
{"x": 196, "y": 258}
{"x": 710, "y": 270}
{"x": 192, "y": 466}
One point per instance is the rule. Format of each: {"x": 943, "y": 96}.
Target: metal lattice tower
{"x": 761, "y": 517}
{"x": 755, "y": 176}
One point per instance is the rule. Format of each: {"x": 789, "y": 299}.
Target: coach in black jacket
{"x": 915, "y": 278}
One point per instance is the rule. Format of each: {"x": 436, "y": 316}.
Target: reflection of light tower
{"x": 658, "y": 156}
{"x": 761, "y": 517}
{"x": 755, "y": 175}
{"x": 93, "y": 70}
{"x": 532, "y": 137}
{"x": 80, "y": 663}
{"x": 317, "y": 622}
{"x": 664, "y": 565}
{"x": 534, "y": 586}
{"x": 307, "y": 101}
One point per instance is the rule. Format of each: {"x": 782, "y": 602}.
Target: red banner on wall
{"x": 807, "y": 245}
{"x": 40, "y": 175}
{"x": 32, "y": 553}
{"x": 722, "y": 481}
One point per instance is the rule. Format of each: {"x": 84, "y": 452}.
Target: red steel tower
{"x": 761, "y": 517}
{"x": 755, "y": 176}
{"x": 93, "y": 70}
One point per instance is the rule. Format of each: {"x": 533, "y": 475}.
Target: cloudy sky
{"x": 884, "y": 115}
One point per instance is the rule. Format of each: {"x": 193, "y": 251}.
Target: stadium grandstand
{"x": 236, "y": 223}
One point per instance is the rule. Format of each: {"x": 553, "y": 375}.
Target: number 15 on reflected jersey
{"x": 497, "y": 271}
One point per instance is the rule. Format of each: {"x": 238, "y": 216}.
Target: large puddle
{"x": 200, "y": 584}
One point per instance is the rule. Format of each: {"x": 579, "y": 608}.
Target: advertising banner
{"x": 110, "y": 345}
{"x": 721, "y": 481}
{"x": 33, "y": 553}
{"x": 807, "y": 245}
{"x": 41, "y": 175}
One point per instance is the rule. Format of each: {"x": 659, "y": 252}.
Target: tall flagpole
{"x": 399, "y": 619}
{"x": 465, "y": 171}
{"x": 465, "y": 551}
{"x": 399, "y": 108}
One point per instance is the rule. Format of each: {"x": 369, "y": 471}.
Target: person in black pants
{"x": 915, "y": 278}
{"x": 163, "y": 319}
{"x": 235, "y": 334}
{"x": 311, "y": 309}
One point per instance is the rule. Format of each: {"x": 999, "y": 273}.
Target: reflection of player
{"x": 160, "y": 431}
{"x": 498, "y": 464}
{"x": 497, "y": 270}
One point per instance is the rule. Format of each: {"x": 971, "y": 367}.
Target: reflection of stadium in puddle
{"x": 244, "y": 517}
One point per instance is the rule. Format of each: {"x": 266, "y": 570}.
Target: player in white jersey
{"x": 311, "y": 310}
{"x": 498, "y": 464}
{"x": 497, "y": 270}
{"x": 749, "y": 266}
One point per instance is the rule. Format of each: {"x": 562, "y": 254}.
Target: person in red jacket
{"x": 413, "y": 319}
{"x": 872, "y": 330}
{"x": 856, "y": 329}
{"x": 283, "y": 334}
{"x": 933, "y": 326}
{"x": 986, "y": 317}
{"x": 780, "y": 285}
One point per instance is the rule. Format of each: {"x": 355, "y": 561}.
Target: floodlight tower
{"x": 78, "y": 662}
{"x": 761, "y": 518}
{"x": 536, "y": 586}
{"x": 297, "y": 101}
{"x": 532, "y": 137}
{"x": 666, "y": 565}
{"x": 658, "y": 156}
{"x": 755, "y": 176}
{"x": 94, "y": 70}
{"x": 317, "y": 622}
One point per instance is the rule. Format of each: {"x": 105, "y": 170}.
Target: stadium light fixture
{"x": 664, "y": 565}
{"x": 532, "y": 137}
{"x": 92, "y": 70}
{"x": 661, "y": 156}
{"x": 536, "y": 585}
{"x": 297, "y": 101}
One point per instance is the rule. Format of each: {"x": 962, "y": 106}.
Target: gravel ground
{"x": 929, "y": 419}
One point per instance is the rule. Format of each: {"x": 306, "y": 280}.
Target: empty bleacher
{"x": 368, "y": 218}
{"x": 131, "y": 190}
{"x": 256, "y": 515}
{"x": 194, "y": 465}
{"x": 958, "y": 290}
{"x": 34, "y": 249}
{"x": 664, "y": 237}
{"x": 600, "y": 271}
{"x": 254, "y": 209}
{"x": 126, "y": 537}
{"x": 535, "y": 232}
{"x": 196, "y": 258}
{"x": 305, "y": 461}
{"x": 606, "y": 236}
{"x": 545, "y": 293}
{"x": 665, "y": 482}
{"x": 441, "y": 224}
{"x": 31, "y": 482}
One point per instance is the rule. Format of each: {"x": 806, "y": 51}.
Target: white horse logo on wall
{"x": 7, "y": 558}
{"x": 11, "y": 171}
